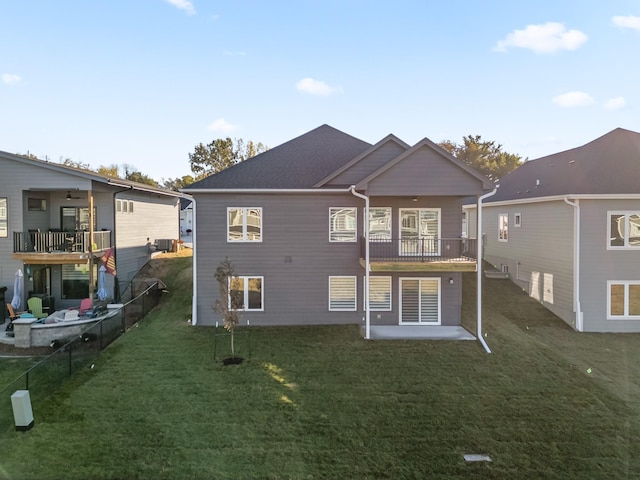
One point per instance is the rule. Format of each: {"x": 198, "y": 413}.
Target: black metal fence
{"x": 426, "y": 249}
{"x": 48, "y": 374}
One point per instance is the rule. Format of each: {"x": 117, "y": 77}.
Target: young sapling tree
{"x": 229, "y": 304}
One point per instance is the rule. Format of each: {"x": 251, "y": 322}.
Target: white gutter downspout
{"x": 367, "y": 266}
{"x": 576, "y": 262}
{"x": 479, "y": 268}
{"x": 194, "y": 298}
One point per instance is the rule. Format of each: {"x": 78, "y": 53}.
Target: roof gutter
{"x": 268, "y": 190}
{"x": 157, "y": 191}
{"x": 479, "y": 268}
{"x": 577, "y": 306}
{"x": 556, "y": 198}
{"x": 367, "y": 266}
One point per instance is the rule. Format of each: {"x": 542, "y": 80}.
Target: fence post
{"x": 70, "y": 350}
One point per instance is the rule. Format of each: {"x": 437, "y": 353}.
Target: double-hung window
{"x": 244, "y": 224}
{"x": 623, "y": 230}
{"x": 503, "y": 227}
{"x": 247, "y": 293}
{"x": 342, "y": 224}
{"x": 342, "y": 293}
{"x": 3, "y": 218}
{"x": 380, "y": 224}
{"x": 380, "y": 293}
{"x": 623, "y": 300}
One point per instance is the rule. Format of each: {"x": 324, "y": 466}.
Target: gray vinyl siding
{"x": 440, "y": 177}
{"x": 153, "y": 218}
{"x": 14, "y": 178}
{"x": 368, "y": 165}
{"x": 598, "y": 265}
{"x": 538, "y": 254}
{"x": 296, "y": 258}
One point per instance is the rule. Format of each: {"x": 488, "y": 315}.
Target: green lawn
{"x": 321, "y": 402}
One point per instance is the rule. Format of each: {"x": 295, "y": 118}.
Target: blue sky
{"x": 142, "y": 82}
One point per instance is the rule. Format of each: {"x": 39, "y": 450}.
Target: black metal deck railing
{"x": 420, "y": 249}
{"x": 53, "y": 241}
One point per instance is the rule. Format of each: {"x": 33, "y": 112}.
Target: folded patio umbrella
{"x": 102, "y": 291}
{"x": 18, "y": 283}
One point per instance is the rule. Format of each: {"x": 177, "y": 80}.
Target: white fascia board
{"x": 561, "y": 198}
{"x": 269, "y": 190}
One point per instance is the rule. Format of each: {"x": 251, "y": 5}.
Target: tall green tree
{"x": 109, "y": 171}
{"x": 136, "y": 176}
{"x": 177, "y": 183}
{"x": 67, "y": 162}
{"x": 485, "y": 156}
{"x": 220, "y": 154}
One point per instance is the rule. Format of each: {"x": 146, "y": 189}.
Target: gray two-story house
{"x": 566, "y": 228}
{"x": 57, "y": 222}
{"x": 329, "y": 229}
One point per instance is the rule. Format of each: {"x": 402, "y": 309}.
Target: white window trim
{"x": 500, "y": 231}
{"x": 626, "y": 245}
{"x": 435, "y": 253}
{"x": 626, "y": 315}
{"x": 4, "y": 217}
{"x": 381, "y": 277}
{"x": 244, "y": 225}
{"x": 246, "y": 279}
{"x": 517, "y": 220}
{"x": 439, "y": 282}
{"x": 355, "y": 232}
{"x": 355, "y": 293}
{"x": 390, "y": 223}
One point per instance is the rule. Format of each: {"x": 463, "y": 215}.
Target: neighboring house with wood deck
{"x": 57, "y": 221}
{"x": 310, "y": 223}
{"x": 566, "y": 228}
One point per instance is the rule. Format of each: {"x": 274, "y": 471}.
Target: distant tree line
{"x": 485, "y": 156}
{"x": 204, "y": 161}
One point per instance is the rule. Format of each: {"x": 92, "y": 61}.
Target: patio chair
{"x": 85, "y": 305}
{"x": 12, "y": 316}
{"x": 35, "y": 307}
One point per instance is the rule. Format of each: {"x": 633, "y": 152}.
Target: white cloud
{"x": 546, "y": 38}
{"x": 615, "y": 103}
{"x": 573, "y": 99}
{"x": 185, "y": 5}
{"x": 222, "y": 126}
{"x": 230, "y": 53}
{"x": 316, "y": 87}
{"x": 11, "y": 79}
{"x": 627, "y": 22}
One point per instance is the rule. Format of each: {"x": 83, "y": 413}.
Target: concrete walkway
{"x": 419, "y": 332}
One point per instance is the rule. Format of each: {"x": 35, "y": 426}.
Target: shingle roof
{"x": 88, "y": 174}
{"x": 607, "y": 165}
{"x": 298, "y": 163}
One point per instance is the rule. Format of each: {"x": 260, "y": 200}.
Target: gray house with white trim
{"x": 56, "y": 222}
{"x": 566, "y": 227}
{"x": 308, "y": 224}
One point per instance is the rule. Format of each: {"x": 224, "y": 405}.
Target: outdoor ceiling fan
{"x": 71, "y": 197}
